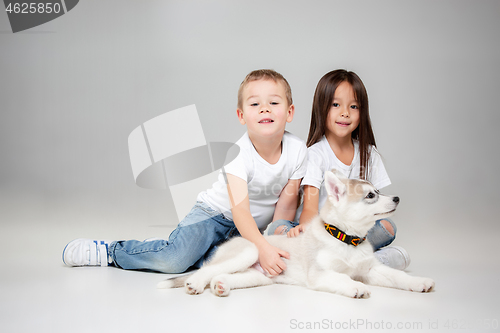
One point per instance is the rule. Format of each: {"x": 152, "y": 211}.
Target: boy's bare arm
{"x": 269, "y": 256}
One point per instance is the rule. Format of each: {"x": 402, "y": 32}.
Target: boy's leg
{"x": 197, "y": 233}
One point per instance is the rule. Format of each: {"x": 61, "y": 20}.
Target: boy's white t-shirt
{"x": 322, "y": 158}
{"x": 264, "y": 180}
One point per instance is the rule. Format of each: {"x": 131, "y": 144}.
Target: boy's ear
{"x": 239, "y": 113}
{"x": 334, "y": 186}
{"x": 291, "y": 112}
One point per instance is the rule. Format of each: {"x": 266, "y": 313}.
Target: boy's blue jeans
{"x": 192, "y": 242}
{"x": 378, "y": 236}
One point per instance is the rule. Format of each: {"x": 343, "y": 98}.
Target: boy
{"x": 262, "y": 186}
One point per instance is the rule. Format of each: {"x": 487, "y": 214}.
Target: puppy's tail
{"x": 175, "y": 282}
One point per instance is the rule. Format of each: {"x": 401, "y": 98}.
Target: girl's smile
{"x": 342, "y": 124}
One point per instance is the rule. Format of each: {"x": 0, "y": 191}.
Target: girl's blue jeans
{"x": 192, "y": 242}
{"x": 378, "y": 236}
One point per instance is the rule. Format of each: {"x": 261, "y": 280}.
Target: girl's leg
{"x": 382, "y": 234}
{"x": 280, "y": 227}
{"x": 201, "y": 230}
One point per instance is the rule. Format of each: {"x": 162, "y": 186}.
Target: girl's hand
{"x": 270, "y": 259}
{"x": 294, "y": 232}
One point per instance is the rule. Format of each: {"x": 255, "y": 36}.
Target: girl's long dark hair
{"x": 323, "y": 99}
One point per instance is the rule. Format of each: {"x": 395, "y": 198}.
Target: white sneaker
{"x": 393, "y": 256}
{"x": 87, "y": 252}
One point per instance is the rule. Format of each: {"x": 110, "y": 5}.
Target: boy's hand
{"x": 270, "y": 259}
{"x": 294, "y": 232}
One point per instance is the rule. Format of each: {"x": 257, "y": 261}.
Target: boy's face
{"x": 265, "y": 109}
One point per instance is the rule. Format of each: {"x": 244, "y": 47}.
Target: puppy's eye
{"x": 370, "y": 195}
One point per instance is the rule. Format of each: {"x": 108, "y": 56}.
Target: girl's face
{"x": 343, "y": 117}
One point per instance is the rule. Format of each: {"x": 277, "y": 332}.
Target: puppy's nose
{"x": 395, "y": 199}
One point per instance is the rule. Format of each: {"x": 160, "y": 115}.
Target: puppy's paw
{"x": 357, "y": 290}
{"x": 421, "y": 285}
{"x": 194, "y": 287}
{"x": 219, "y": 286}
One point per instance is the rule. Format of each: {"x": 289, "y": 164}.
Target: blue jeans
{"x": 378, "y": 236}
{"x": 189, "y": 245}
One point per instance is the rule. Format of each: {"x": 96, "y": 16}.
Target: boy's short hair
{"x": 264, "y": 74}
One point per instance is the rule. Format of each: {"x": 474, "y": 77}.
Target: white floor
{"x": 39, "y": 294}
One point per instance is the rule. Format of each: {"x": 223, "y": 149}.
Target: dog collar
{"x": 343, "y": 237}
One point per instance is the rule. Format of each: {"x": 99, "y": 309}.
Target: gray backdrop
{"x": 73, "y": 89}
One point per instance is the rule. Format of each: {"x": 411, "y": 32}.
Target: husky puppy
{"x": 330, "y": 255}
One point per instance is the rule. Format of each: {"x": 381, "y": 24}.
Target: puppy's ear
{"x": 334, "y": 186}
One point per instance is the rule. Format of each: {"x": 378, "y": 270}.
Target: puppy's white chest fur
{"x": 345, "y": 259}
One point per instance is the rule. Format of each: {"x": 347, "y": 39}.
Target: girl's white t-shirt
{"x": 322, "y": 158}
{"x": 265, "y": 181}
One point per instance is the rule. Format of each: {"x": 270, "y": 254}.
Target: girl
{"x": 341, "y": 137}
